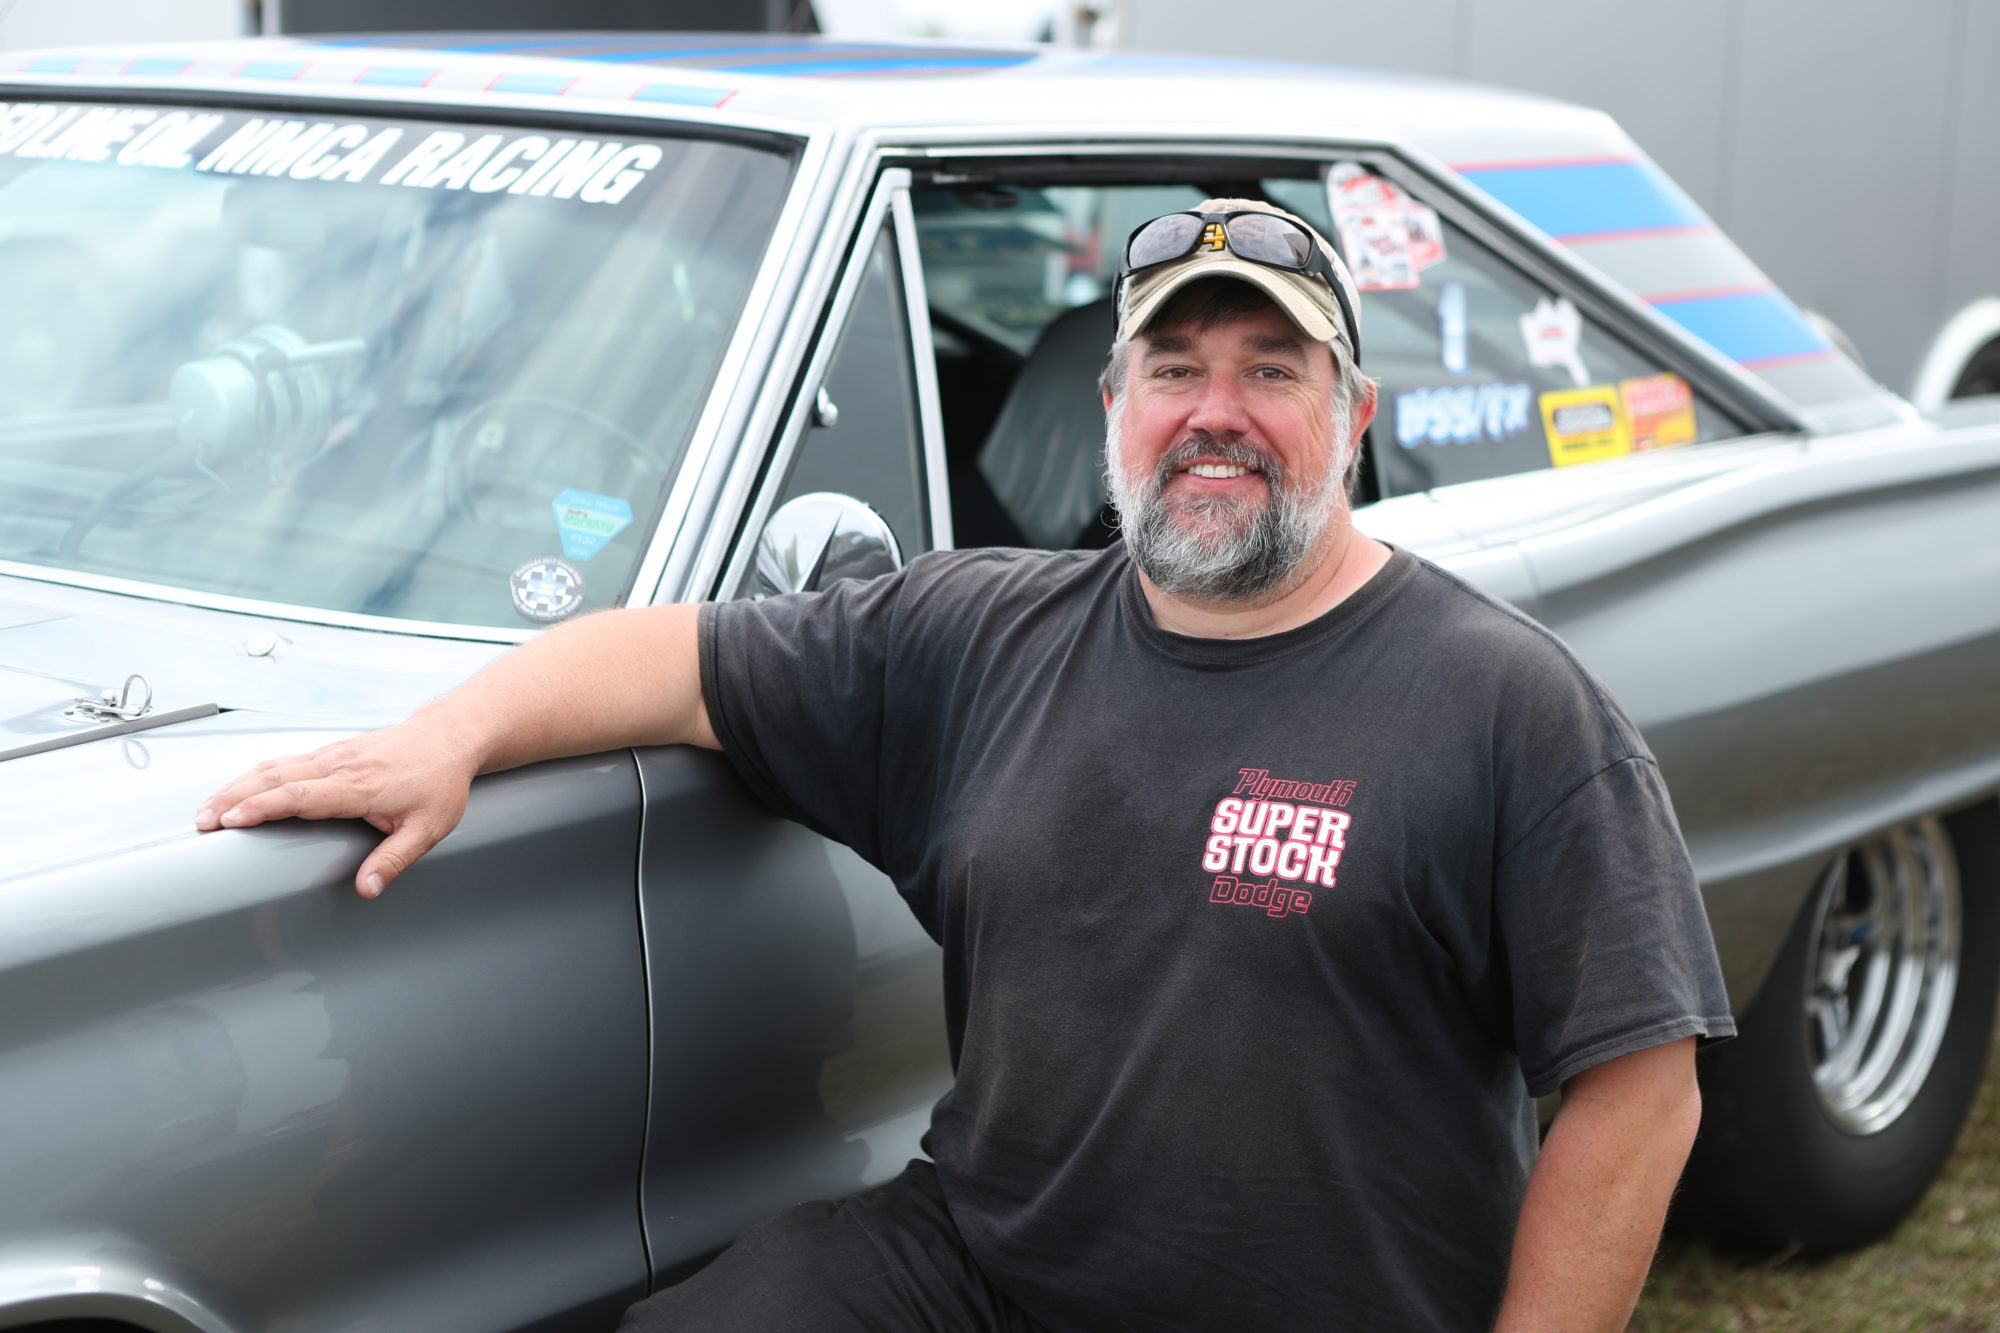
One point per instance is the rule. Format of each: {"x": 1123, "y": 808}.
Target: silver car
{"x": 329, "y": 371}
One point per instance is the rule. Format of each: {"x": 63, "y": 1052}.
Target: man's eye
{"x": 1273, "y": 373}
{"x": 1172, "y": 372}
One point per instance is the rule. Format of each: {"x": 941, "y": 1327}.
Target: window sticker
{"x": 590, "y": 171}
{"x": 1462, "y": 414}
{"x": 1387, "y": 238}
{"x": 1661, "y": 410}
{"x": 547, "y": 590}
{"x": 587, "y": 521}
{"x": 1553, "y": 335}
{"x": 1585, "y": 425}
{"x": 1452, "y": 328}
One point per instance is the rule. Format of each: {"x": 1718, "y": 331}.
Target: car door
{"x": 798, "y": 1019}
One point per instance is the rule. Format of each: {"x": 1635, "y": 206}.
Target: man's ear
{"x": 1107, "y": 402}
{"x": 1364, "y": 411}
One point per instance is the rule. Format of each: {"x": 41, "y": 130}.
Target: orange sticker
{"x": 1661, "y": 410}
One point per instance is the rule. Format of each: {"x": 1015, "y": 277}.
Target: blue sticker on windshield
{"x": 587, "y": 521}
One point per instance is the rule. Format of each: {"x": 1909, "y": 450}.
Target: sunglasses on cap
{"x": 1261, "y": 238}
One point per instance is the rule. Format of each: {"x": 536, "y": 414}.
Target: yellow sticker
{"x": 1211, "y": 236}
{"x": 1661, "y": 410}
{"x": 1585, "y": 425}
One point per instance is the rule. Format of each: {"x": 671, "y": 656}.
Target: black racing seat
{"x": 1044, "y": 457}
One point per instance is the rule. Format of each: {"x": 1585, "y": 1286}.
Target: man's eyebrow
{"x": 1272, "y": 344}
{"x": 1264, "y": 344}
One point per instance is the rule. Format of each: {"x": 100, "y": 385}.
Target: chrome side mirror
{"x": 817, "y": 540}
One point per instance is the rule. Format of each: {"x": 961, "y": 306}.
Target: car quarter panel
{"x": 271, "y": 1104}
{"x": 1807, "y": 633}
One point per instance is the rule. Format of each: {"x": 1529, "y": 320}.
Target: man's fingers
{"x": 267, "y": 775}
{"x": 393, "y": 857}
{"x": 302, "y": 797}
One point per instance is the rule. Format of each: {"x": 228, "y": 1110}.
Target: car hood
{"x": 72, "y": 792}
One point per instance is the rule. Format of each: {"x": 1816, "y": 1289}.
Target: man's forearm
{"x": 598, "y": 683}
{"x": 1598, "y": 1196}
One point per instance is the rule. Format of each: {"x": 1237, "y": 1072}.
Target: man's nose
{"x": 1222, "y": 407}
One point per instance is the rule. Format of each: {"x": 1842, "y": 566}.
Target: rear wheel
{"x": 1829, "y": 1117}
{"x": 1981, "y": 374}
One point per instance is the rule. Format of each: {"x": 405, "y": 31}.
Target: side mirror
{"x": 815, "y": 541}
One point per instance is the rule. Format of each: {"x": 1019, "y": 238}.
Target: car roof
{"x": 823, "y": 82}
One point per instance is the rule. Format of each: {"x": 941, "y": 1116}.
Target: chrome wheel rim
{"x": 1881, "y": 974}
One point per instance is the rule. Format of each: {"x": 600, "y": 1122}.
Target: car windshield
{"x": 389, "y": 368}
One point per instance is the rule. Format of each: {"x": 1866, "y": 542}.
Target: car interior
{"x": 1019, "y": 262}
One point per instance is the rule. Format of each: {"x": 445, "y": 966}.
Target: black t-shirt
{"x": 1254, "y": 949}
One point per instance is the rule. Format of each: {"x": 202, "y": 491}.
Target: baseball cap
{"x": 1307, "y": 300}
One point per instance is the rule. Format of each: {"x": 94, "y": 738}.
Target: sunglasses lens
{"x": 1269, "y": 240}
{"x": 1162, "y": 239}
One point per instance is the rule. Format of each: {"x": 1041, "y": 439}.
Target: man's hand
{"x": 410, "y": 781}
{"x": 628, "y": 678}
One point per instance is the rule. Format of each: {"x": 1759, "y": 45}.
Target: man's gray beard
{"x": 1203, "y": 548}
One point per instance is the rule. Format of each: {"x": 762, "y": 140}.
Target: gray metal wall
{"x": 1852, "y": 147}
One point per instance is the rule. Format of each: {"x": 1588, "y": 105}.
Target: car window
{"x": 1484, "y": 371}
{"x": 864, "y": 438}
{"x": 1018, "y": 274}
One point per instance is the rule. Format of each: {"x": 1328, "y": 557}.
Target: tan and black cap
{"x": 1307, "y": 299}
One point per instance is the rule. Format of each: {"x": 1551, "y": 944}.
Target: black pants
{"x": 887, "y": 1259}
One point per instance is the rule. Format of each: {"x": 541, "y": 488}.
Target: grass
{"x": 1939, "y": 1272}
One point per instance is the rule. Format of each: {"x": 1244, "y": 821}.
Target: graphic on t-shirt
{"x": 1270, "y": 838}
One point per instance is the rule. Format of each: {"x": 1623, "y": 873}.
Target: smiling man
{"x": 1250, "y": 1043}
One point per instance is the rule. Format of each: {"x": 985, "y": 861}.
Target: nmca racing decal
{"x": 591, "y": 171}
{"x": 1270, "y": 838}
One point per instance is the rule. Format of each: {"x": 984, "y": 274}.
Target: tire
{"x": 1981, "y": 374}
{"x": 1825, "y": 1122}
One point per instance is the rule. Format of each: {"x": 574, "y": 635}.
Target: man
{"x": 1274, "y": 870}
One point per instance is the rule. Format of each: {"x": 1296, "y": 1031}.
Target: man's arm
{"x": 624, "y": 677}
{"x": 1598, "y": 1195}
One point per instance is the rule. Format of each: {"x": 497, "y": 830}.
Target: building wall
{"x": 31, "y": 23}
{"x": 1852, "y": 147}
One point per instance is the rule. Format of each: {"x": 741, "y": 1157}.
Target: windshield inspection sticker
{"x": 1553, "y": 333}
{"x": 1462, "y": 414}
{"x": 547, "y": 589}
{"x": 1585, "y": 425}
{"x": 587, "y": 521}
{"x": 1661, "y": 409}
{"x": 591, "y": 171}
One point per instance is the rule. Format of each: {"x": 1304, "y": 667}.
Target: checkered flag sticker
{"x": 547, "y": 589}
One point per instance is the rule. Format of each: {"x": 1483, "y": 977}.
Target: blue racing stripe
{"x": 680, "y": 95}
{"x": 54, "y": 64}
{"x": 530, "y": 83}
{"x": 905, "y": 64}
{"x": 1747, "y": 326}
{"x": 1581, "y": 198}
{"x": 271, "y": 69}
{"x": 397, "y": 76}
{"x": 157, "y": 65}
{"x": 666, "y": 54}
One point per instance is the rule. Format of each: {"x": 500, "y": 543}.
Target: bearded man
{"x": 1275, "y": 871}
